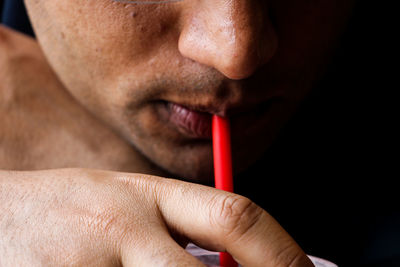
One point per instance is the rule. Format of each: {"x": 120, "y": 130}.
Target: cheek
{"x": 94, "y": 40}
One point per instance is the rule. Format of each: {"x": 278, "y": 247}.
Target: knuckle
{"x": 108, "y": 223}
{"x": 292, "y": 256}
{"x": 113, "y": 228}
{"x": 300, "y": 260}
{"x": 236, "y": 215}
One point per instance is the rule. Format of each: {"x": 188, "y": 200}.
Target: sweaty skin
{"x": 90, "y": 93}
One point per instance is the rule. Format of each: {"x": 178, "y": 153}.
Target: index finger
{"x": 222, "y": 221}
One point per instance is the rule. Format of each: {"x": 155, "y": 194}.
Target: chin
{"x": 190, "y": 162}
{"x": 201, "y": 175}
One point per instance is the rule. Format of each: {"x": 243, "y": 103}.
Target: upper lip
{"x": 220, "y": 110}
{"x": 229, "y": 99}
{"x": 226, "y": 109}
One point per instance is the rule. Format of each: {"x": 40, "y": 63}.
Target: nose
{"x": 235, "y": 37}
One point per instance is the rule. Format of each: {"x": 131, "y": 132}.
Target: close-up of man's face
{"x": 156, "y": 72}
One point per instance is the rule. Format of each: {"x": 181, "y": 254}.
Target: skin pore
{"x": 253, "y": 61}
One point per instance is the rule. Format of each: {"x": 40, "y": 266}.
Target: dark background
{"x": 329, "y": 178}
{"x": 13, "y": 14}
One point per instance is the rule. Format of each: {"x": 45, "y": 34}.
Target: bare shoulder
{"x": 36, "y": 113}
{"x": 20, "y": 59}
{"x": 35, "y": 108}
{"x": 13, "y": 43}
{"x": 25, "y": 77}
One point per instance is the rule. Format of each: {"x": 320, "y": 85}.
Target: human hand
{"x": 82, "y": 217}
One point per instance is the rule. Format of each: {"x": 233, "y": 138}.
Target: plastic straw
{"x": 223, "y": 168}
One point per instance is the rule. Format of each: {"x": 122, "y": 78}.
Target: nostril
{"x": 237, "y": 63}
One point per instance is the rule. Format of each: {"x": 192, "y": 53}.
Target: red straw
{"x": 223, "y": 168}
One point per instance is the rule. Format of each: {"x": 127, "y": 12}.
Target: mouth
{"x": 190, "y": 122}
{"x": 194, "y": 122}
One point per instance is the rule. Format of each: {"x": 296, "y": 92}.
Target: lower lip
{"x": 189, "y": 122}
